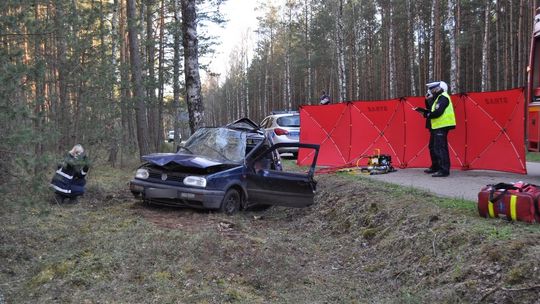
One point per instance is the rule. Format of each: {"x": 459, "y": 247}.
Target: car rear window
{"x": 289, "y": 121}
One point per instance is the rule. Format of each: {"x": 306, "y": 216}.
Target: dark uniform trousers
{"x": 438, "y": 149}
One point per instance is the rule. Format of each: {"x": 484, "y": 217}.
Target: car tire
{"x": 231, "y": 202}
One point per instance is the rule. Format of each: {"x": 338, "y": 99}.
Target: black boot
{"x": 440, "y": 174}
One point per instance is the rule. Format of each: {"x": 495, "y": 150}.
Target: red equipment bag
{"x": 514, "y": 202}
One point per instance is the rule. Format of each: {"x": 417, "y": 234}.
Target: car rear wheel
{"x": 231, "y": 202}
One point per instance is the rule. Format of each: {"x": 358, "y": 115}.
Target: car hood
{"x": 185, "y": 160}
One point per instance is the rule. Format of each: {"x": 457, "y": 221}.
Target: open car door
{"x": 270, "y": 186}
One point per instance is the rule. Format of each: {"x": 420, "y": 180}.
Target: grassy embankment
{"x": 362, "y": 241}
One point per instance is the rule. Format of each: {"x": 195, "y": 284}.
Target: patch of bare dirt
{"x": 176, "y": 218}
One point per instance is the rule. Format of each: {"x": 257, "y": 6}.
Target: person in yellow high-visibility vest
{"x": 442, "y": 119}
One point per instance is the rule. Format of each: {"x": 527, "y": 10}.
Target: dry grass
{"x": 362, "y": 242}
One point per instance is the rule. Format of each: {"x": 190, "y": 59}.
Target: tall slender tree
{"x": 136, "y": 78}
{"x": 176, "y": 69}
{"x": 485, "y": 48}
{"x": 450, "y": 27}
{"x": 191, "y": 59}
{"x": 342, "y": 76}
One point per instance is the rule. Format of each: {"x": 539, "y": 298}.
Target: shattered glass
{"x": 220, "y": 144}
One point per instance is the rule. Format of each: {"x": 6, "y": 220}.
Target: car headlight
{"x": 142, "y": 174}
{"x": 195, "y": 181}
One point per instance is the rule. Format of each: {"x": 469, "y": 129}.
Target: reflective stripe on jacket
{"x": 447, "y": 119}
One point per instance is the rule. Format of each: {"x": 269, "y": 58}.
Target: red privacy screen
{"x": 489, "y": 133}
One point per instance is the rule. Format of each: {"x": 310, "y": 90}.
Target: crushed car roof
{"x": 244, "y": 124}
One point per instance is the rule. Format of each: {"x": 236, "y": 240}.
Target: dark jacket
{"x": 429, "y": 103}
{"x": 69, "y": 178}
{"x": 325, "y": 99}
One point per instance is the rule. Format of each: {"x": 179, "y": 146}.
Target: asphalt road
{"x": 460, "y": 184}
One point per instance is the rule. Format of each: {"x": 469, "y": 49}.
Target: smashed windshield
{"x": 220, "y": 144}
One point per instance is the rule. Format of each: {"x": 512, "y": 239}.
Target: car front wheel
{"x": 231, "y": 202}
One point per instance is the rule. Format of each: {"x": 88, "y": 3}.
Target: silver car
{"x": 170, "y": 136}
{"x": 283, "y": 128}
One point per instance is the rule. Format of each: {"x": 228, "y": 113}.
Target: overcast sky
{"x": 242, "y": 21}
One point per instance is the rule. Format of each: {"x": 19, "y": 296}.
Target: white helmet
{"x": 437, "y": 84}
{"x": 444, "y": 86}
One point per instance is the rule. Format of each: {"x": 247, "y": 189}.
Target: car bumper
{"x": 288, "y": 150}
{"x": 176, "y": 196}
{"x": 284, "y": 139}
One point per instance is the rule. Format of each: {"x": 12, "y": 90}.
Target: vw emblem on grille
{"x": 163, "y": 176}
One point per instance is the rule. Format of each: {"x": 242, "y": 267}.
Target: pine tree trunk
{"x": 520, "y": 47}
{"x": 125, "y": 96}
{"x": 391, "y": 56}
{"x": 451, "y": 29}
{"x": 266, "y": 82}
{"x": 511, "y": 47}
{"x": 245, "y": 68}
{"x": 459, "y": 84}
{"x": 39, "y": 81}
{"x": 114, "y": 34}
{"x": 64, "y": 121}
{"x": 161, "y": 72}
{"x": 191, "y": 59}
{"x": 498, "y": 65}
{"x": 152, "y": 111}
{"x": 412, "y": 49}
{"x": 307, "y": 41}
{"x": 437, "y": 41}
{"x": 272, "y": 73}
{"x": 431, "y": 52}
{"x": 176, "y": 71}
{"x": 341, "y": 54}
{"x": 485, "y": 50}
{"x": 136, "y": 78}
{"x": 505, "y": 49}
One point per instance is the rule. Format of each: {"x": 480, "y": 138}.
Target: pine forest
{"x": 115, "y": 75}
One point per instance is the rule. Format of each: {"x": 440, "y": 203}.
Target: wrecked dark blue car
{"x": 226, "y": 168}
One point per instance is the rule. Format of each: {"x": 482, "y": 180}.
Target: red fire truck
{"x": 533, "y": 89}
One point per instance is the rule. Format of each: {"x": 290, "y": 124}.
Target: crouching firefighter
{"x": 70, "y": 177}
